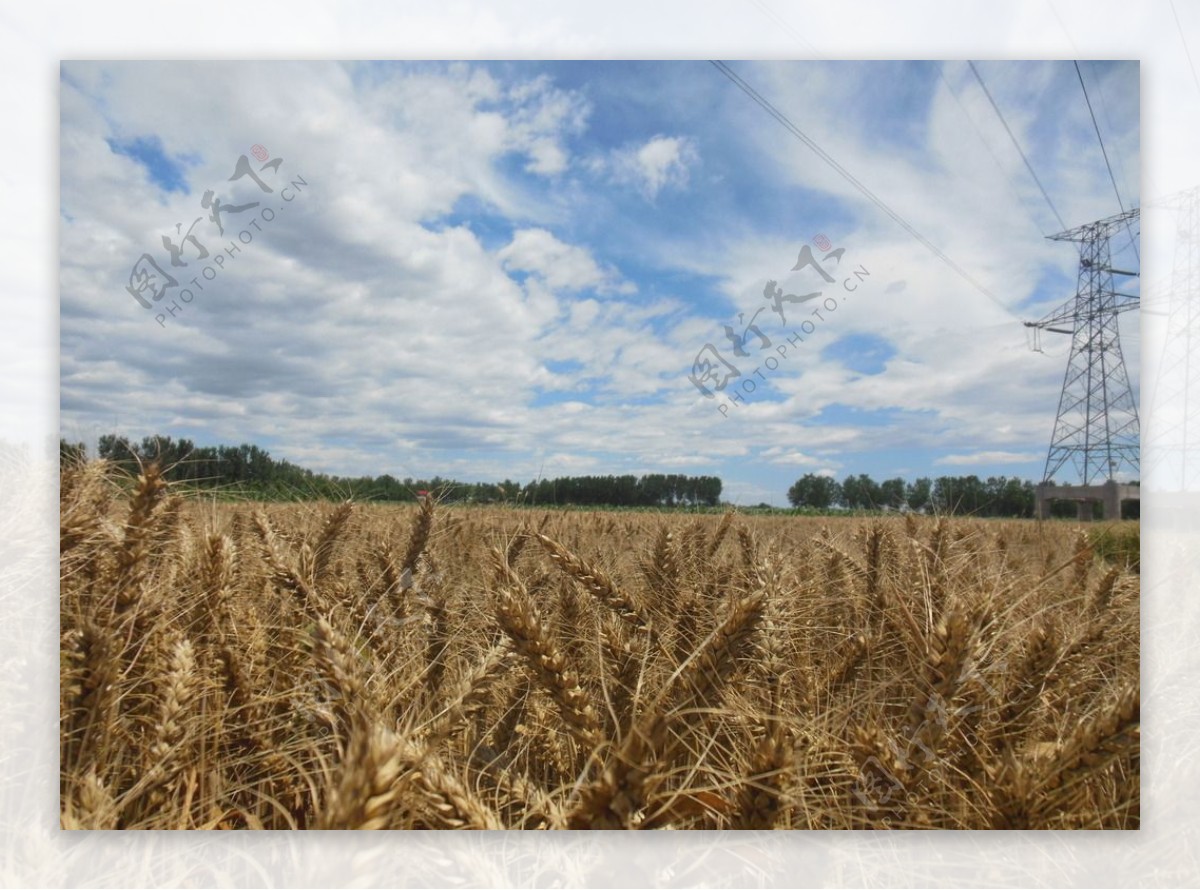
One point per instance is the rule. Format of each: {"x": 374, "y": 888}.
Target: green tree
{"x": 918, "y": 493}
{"x": 71, "y": 452}
{"x": 963, "y": 495}
{"x": 811, "y": 490}
{"x": 860, "y": 492}
{"x": 891, "y": 493}
{"x": 117, "y": 449}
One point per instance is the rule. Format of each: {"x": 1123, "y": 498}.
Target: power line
{"x": 1118, "y": 162}
{"x": 770, "y": 13}
{"x": 1099, "y": 138}
{"x": 1016, "y": 144}
{"x": 1062, "y": 25}
{"x": 1103, "y": 108}
{"x": 987, "y": 145}
{"x": 1186, "y": 52}
{"x": 1104, "y": 152}
{"x": 850, "y": 178}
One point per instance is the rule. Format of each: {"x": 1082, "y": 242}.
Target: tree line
{"x": 994, "y": 496}
{"x": 651, "y": 490}
{"x": 251, "y": 470}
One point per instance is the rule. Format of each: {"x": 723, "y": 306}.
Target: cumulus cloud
{"x": 663, "y": 162}
{"x": 562, "y": 266}
{"x": 542, "y": 120}
{"x": 473, "y": 278}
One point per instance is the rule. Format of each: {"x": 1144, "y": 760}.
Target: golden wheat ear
{"x": 379, "y": 666}
{"x": 596, "y": 582}
{"x": 519, "y": 618}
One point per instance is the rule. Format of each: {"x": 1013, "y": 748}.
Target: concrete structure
{"x": 1111, "y": 494}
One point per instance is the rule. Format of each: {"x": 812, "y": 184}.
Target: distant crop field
{"x": 356, "y": 666}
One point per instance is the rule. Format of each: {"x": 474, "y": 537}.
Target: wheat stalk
{"x": 519, "y": 619}
{"x": 595, "y": 582}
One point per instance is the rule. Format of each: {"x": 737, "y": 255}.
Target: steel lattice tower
{"x": 1096, "y": 430}
{"x": 1174, "y": 434}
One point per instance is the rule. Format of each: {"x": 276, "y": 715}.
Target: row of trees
{"x": 994, "y": 496}
{"x": 652, "y": 490}
{"x": 202, "y": 465}
{"x": 859, "y": 492}
{"x": 251, "y": 469}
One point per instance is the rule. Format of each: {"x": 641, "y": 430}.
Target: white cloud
{"x": 661, "y": 163}
{"x": 562, "y": 266}
{"x": 542, "y": 120}
{"x": 369, "y": 324}
{"x": 786, "y": 456}
{"x": 354, "y": 334}
{"x": 988, "y": 458}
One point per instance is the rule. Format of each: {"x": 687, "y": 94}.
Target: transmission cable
{"x": 850, "y": 178}
{"x": 1017, "y": 145}
{"x": 1104, "y": 152}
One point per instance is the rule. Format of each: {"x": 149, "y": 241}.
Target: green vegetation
{"x": 247, "y": 471}
{"x": 1120, "y": 544}
{"x": 997, "y": 496}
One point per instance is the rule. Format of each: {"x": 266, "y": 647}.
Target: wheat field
{"x": 232, "y": 665}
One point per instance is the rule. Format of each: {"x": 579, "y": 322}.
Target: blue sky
{"x": 505, "y": 270}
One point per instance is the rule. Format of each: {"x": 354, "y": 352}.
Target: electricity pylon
{"x": 1096, "y": 430}
{"x": 1173, "y": 437}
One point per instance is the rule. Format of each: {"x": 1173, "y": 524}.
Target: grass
{"x": 237, "y": 665}
{"x": 1120, "y": 543}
